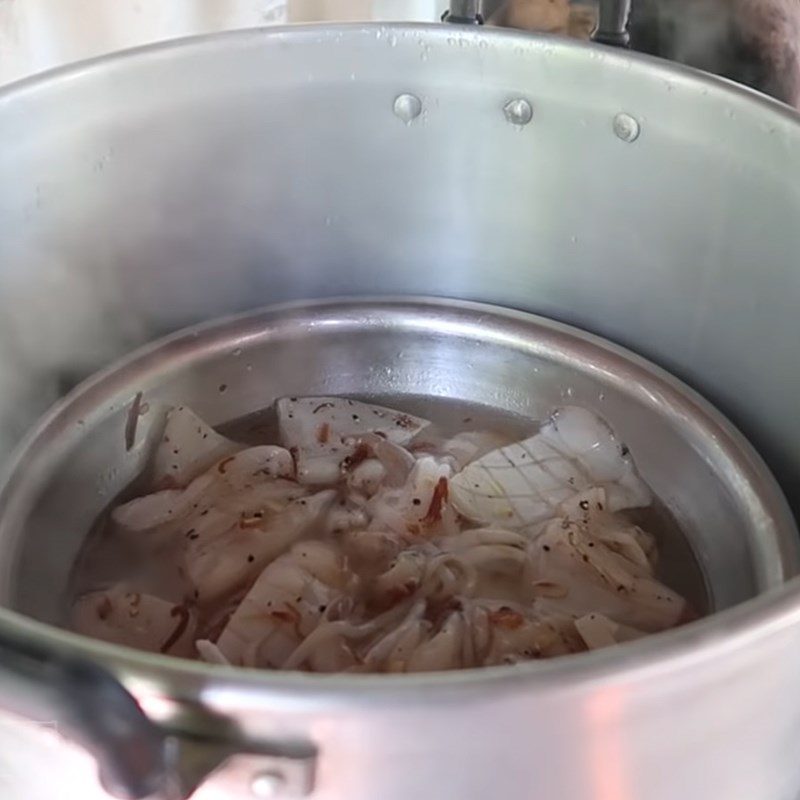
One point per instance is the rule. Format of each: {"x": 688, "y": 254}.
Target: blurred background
{"x": 40, "y": 34}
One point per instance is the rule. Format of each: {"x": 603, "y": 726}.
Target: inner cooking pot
{"x": 97, "y": 442}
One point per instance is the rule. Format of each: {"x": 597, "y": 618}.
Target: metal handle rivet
{"x": 407, "y": 107}
{"x": 518, "y": 111}
{"x": 267, "y": 785}
{"x": 626, "y": 127}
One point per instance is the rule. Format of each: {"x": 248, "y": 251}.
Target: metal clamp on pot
{"x": 612, "y": 23}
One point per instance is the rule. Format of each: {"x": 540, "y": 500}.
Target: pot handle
{"x": 612, "y": 23}
{"x": 90, "y": 707}
{"x": 136, "y": 757}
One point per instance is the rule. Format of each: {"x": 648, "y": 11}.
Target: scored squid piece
{"x": 524, "y": 483}
{"x": 324, "y": 432}
{"x": 187, "y": 447}
{"x": 121, "y": 615}
{"x": 286, "y": 603}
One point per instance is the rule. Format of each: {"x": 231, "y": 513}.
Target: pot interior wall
{"x": 85, "y": 456}
{"x": 185, "y": 182}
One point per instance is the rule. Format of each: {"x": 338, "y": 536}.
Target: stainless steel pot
{"x": 647, "y": 203}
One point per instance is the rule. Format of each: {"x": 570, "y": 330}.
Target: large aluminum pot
{"x": 652, "y": 205}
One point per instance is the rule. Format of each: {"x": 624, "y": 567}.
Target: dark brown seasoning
{"x": 223, "y": 465}
{"x": 395, "y": 595}
{"x": 132, "y": 421}
{"x": 320, "y": 406}
{"x": 422, "y": 447}
{"x": 104, "y": 608}
{"x": 438, "y": 500}
{"x": 404, "y": 421}
{"x": 250, "y": 521}
{"x": 291, "y": 615}
{"x": 360, "y": 454}
{"x": 507, "y": 618}
{"x": 438, "y": 609}
{"x": 183, "y": 613}
{"x": 323, "y": 433}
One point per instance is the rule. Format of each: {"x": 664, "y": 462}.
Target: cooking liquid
{"x": 108, "y": 557}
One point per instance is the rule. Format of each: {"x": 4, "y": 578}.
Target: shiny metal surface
{"x": 137, "y": 198}
{"x": 729, "y": 506}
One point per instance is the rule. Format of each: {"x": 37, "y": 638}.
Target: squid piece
{"x": 419, "y": 508}
{"x": 324, "y": 433}
{"x": 286, "y": 603}
{"x": 372, "y": 548}
{"x": 187, "y": 447}
{"x": 257, "y": 475}
{"x": 466, "y": 447}
{"x": 210, "y": 653}
{"x": 121, "y": 615}
{"x": 443, "y": 650}
{"x": 524, "y": 483}
{"x": 520, "y": 634}
{"x": 598, "y": 631}
{"x": 590, "y": 509}
{"x": 391, "y": 650}
{"x": 219, "y": 564}
{"x": 401, "y": 580}
{"x": 597, "y": 579}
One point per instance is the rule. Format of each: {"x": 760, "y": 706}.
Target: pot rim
{"x": 712, "y": 637}
{"x": 321, "y": 33}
